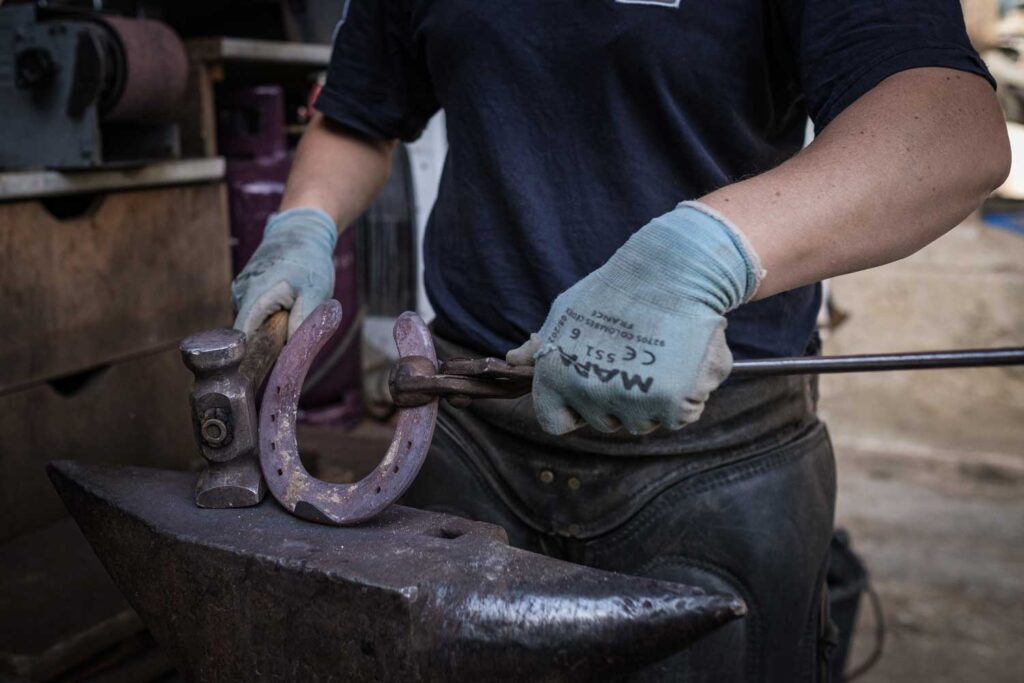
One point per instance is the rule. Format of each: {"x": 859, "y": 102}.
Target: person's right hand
{"x": 292, "y": 270}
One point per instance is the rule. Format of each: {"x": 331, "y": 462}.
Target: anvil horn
{"x": 255, "y": 593}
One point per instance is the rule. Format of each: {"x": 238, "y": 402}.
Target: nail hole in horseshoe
{"x": 395, "y": 470}
{"x": 377, "y": 490}
{"x": 408, "y": 445}
{"x": 279, "y": 390}
{"x": 273, "y": 446}
{"x": 280, "y": 473}
{"x": 273, "y": 417}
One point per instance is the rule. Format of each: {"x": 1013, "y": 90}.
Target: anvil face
{"x": 255, "y": 593}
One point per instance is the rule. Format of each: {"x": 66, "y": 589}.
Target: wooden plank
{"x": 135, "y": 412}
{"x": 38, "y": 184}
{"x": 266, "y": 51}
{"x": 136, "y": 273}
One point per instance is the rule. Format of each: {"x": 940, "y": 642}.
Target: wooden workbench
{"x": 104, "y": 272}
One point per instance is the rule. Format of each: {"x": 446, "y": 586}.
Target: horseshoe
{"x": 294, "y": 488}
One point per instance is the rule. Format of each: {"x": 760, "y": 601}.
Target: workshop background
{"x": 127, "y": 206}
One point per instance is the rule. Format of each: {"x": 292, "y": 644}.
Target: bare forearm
{"x": 337, "y": 172}
{"x": 901, "y": 166}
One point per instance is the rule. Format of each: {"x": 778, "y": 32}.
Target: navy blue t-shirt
{"x": 573, "y": 123}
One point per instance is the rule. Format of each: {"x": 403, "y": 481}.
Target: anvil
{"x": 258, "y": 594}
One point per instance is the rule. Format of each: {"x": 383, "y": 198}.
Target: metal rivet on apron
{"x": 574, "y": 483}
{"x": 547, "y": 476}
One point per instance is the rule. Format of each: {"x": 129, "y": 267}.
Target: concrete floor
{"x": 931, "y": 465}
{"x": 943, "y": 538}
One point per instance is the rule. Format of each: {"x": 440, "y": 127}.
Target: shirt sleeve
{"x": 844, "y": 48}
{"x": 377, "y": 80}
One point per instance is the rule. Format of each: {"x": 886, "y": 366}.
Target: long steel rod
{"x": 925, "y": 360}
{"x": 493, "y": 378}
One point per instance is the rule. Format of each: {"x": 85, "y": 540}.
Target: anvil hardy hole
{"x": 448, "y": 533}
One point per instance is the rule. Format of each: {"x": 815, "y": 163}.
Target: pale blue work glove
{"x": 640, "y": 342}
{"x": 292, "y": 269}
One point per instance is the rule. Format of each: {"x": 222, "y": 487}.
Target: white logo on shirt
{"x": 659, "y": 3}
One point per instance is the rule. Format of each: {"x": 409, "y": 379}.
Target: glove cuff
{"x": 689, "y": 254}
{"x": 307, "y": 220}
{"x": 755, "y": 270}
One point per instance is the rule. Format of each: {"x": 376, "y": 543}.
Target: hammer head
{"x": 224, "y": 419}
{"x": 223, "y": 405}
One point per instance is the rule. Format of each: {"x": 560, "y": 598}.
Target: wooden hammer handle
{"x": 263, "y": 347}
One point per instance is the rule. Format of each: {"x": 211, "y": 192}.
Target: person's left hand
{"x": 640, "y": 342}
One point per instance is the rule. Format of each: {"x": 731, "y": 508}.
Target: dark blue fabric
{"x": 572, "y": 123}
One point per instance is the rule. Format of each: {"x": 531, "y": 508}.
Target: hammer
{"x": 229, "y": 369}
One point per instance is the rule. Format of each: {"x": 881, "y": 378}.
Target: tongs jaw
{"x": 459, "y": 380}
